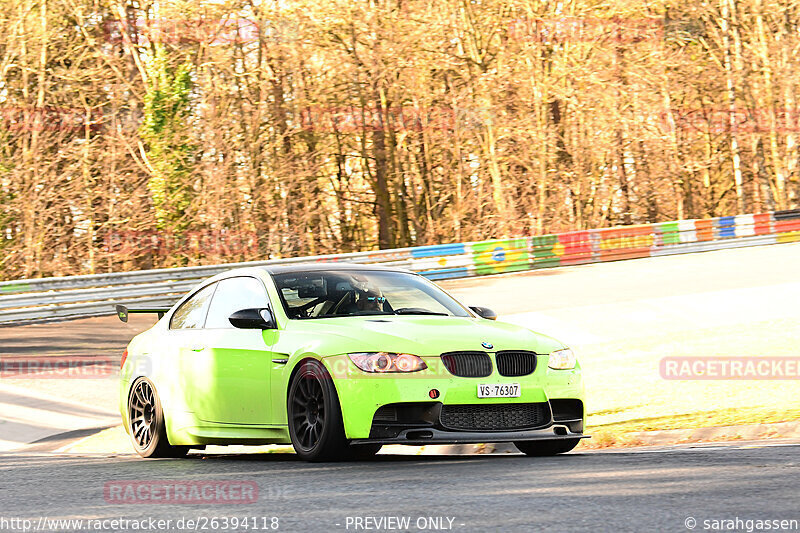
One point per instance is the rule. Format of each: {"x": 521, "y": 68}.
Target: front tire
{"x": 544, "y": 448}
{"x": 146, "y": 423}
{"x": 315, "y": 417}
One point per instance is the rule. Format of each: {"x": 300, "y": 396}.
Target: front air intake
{"x": 468, "y": 364}
{"x": 495, "y": 417}
{"x": 513, "y": 363}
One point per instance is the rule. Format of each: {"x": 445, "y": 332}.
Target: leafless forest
{"x": 141, "y": 135}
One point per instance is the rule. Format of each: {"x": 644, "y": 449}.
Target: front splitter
{"x": 421, "y": 437}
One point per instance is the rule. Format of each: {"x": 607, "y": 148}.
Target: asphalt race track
{"x": 675, "y": 488}
{"x": 597, "y": 491}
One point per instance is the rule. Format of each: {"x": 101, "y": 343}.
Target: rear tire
{"x": 146, "y": 423}
{"x": 315, "y": 417}
{"x": 544, "y": 448}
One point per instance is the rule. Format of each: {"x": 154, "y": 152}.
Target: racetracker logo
{"x": 57, "y": 367}
{"x": 354, "y": 119}
{"x": 181, "y": 492}
{"x": 719, "y": 120}
{"x": 208, "y": 242}
{"x": 144, "y": 32}
{"x": 68, "y": 120}
{"x": 725, "y": 368}
{"x": 586, "y": 30}
{"x": 47, "y": 118}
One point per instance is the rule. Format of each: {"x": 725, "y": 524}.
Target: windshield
{"x": 315, "y": 294}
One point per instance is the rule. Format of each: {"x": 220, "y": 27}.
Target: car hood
{"x": 422, "y": 335}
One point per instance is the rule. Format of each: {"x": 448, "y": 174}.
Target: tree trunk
{"x": 730, "y": 82}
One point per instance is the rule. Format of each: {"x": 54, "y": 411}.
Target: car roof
{"x": 327, "y": 267}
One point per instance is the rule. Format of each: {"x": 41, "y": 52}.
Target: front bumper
{"x": 437, "y": 423}
{"x": 361, "y": 395}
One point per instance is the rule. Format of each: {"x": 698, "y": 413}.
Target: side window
{"x": 235, "y": 294}
{"x": 192, "y": 313}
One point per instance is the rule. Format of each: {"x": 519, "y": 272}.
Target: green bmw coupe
{"x": 339, "y": 360}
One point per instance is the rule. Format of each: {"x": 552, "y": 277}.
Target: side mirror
{"x": 485, "y": 312}
{"x": 252, "y": 319}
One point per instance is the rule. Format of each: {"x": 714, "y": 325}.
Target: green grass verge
{"x": 629, "y": 432}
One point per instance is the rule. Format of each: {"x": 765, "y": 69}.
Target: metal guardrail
{"x": 47, "y": 299}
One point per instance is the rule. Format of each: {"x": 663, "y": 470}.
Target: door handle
{"x": 280, "y": 361}
{"x": 198, "y": 348}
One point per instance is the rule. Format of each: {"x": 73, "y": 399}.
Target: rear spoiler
{"x": 123, "y": 312}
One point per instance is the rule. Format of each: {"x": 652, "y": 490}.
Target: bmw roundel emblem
{"x": 487, "y": 345}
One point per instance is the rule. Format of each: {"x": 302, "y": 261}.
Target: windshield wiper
{"x": 417, "y": 311}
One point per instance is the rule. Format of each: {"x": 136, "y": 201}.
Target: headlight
{"x": 387, "y": 362}
{"x": 562, "y": 359}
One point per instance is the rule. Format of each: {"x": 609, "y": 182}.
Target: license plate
{"x": 499, "y": 390}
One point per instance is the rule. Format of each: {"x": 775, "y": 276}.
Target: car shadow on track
{"x": 273, "y": 457}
